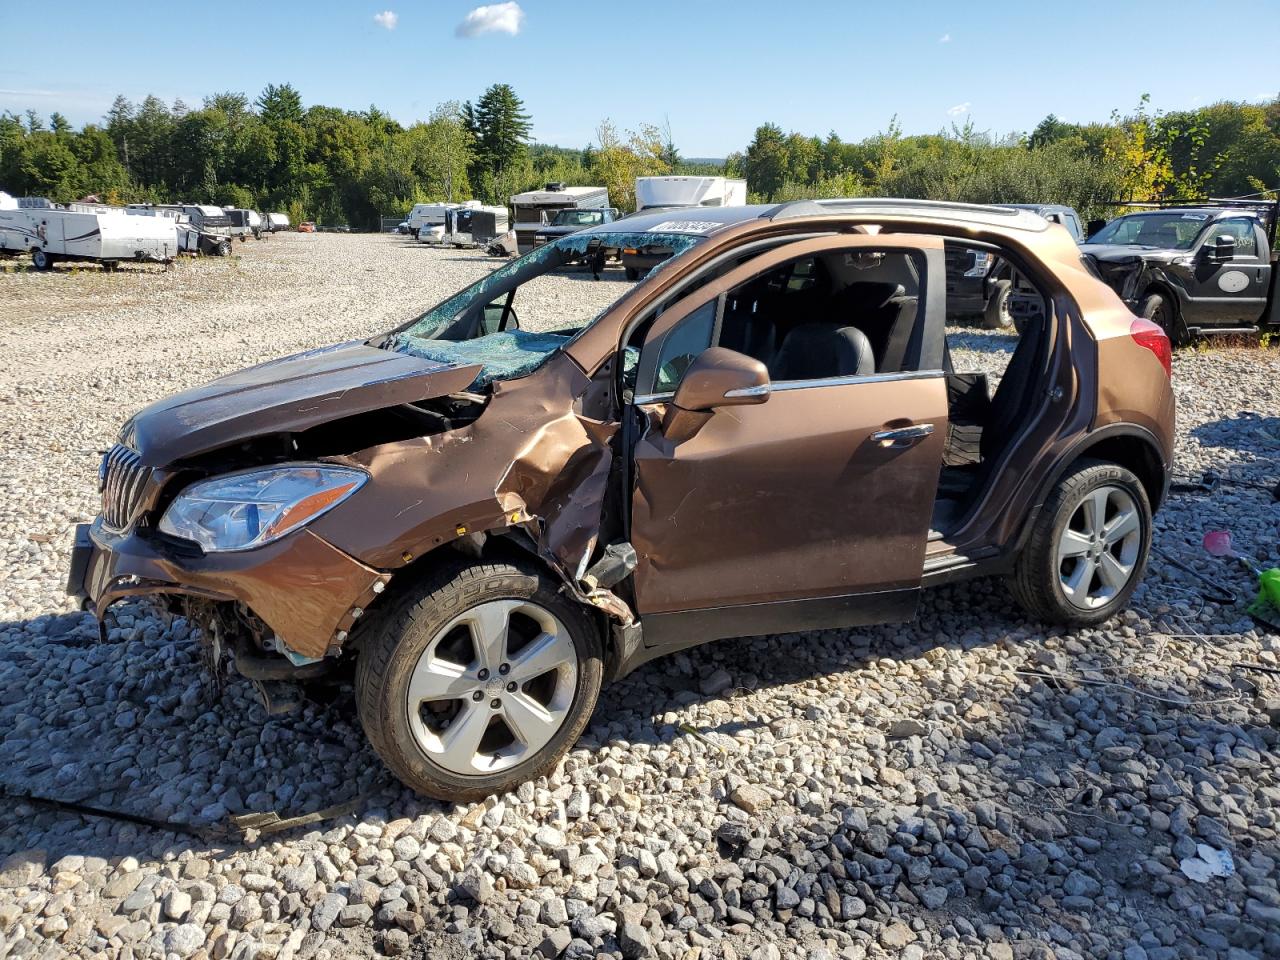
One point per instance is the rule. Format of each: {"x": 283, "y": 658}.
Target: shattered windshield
{"x": 1166, "y": 231}
{"x": 512, "y": 320}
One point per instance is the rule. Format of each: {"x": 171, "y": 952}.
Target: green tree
{"x": 279, "y": 104}
{"x": 501, "y": 131}
{"x": 765, "y": 164}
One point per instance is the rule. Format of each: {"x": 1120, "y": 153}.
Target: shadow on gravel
{"x": 1247, "y": 432}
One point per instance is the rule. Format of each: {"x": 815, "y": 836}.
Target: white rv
{"x": 277, "y": 222}
{"x": 690, "y": 192}
{"x": 425, "y": 216}
{"x": 83, "y": 231}
{"x": 536, "y": 207}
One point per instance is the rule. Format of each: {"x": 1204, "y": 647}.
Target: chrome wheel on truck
{"x": 493, "y": 687}
{"x": 477, "y": 677}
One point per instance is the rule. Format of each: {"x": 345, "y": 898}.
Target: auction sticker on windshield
{"x": 684, "y": 226}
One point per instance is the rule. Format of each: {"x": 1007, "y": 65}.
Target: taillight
{"x": 1149, "y": 335}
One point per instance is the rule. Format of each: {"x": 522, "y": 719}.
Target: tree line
{"x": 343, "y": 166}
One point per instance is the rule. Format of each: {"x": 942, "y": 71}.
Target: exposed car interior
{"x": 844, "y": 314}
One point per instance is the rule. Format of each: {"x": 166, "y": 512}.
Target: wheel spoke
{"x": 435, "y": 679}
{"x": 1076, "y": 586}
{"x": 1114, "y": 573}
{"x": 1095, "y": 512}
{"x": 531, "y": 723}
{"x": 1120, "y": 526}
{"x": 460, "y": 742}
{"x": 543, "y": 653}
{"x": 489, "y": 623}
{"x": 1073, "y": 544}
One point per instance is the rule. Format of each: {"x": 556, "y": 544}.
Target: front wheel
{"x": 1088, "y": 547}
{"x": 480, "y": 678}
{"x": 1161, "y": 311}
{"x": 41, "y": 260}
{"x": 997, "y": 315}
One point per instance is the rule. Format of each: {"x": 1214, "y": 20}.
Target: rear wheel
{"x": 998, "y": 315}
{"x": 481, "y": 678}
{"x": 41, "y": 260}
{"x": 1088, "y": 549}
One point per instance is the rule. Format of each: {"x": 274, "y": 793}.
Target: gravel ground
{"x": 966, "y": 785}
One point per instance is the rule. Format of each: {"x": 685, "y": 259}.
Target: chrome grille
{"x": 124, "y": 485}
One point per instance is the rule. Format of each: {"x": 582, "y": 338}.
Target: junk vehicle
{"x": 277, "y": 222}
{"x": 534, "y": 208}
{"x": 424, "y": 216}
{"x": 84, "y": 232}
{"x": 565, "y": 222}
{"x": 474, "y": 226}
{"x": 1194, "y": 268}
{"x": 517, "y": 495}
{"x": 675, "y": 194}
{"x": 987, "y": 287}
{"x": 202, "y": 228}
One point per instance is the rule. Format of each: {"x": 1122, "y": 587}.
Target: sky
{"x": 712, "y": 69}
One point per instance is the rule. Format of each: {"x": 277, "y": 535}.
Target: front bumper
{"x": 305, "y": 589}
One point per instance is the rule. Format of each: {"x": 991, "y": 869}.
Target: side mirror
{"x": 1093, "y": 226}
{"x": 718, "y": 377}
{"x": 1222, "y": 250}
{"x": 491, "y": 321}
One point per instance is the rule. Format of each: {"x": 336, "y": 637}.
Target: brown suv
{"x": 766, "y": 433}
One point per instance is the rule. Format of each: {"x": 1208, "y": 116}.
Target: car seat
{"x": 814, "y": 351}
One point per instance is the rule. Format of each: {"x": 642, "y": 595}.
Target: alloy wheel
{"x": 492, "y": 687}
{"x": 1098, "y": 550}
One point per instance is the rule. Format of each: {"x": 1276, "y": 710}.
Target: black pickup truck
{"x": 1194, "y": 269}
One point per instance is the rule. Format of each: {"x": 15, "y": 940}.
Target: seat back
{"x": 815, "y": 351}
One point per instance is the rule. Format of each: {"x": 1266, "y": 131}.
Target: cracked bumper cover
{"x": 305, "y": 589}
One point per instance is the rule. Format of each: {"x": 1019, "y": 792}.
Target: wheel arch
{"x": 1128, "y": 445}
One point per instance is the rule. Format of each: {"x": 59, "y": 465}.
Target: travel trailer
{"x": 85, "y": 232}
{"x": 277, "y": 222}
{"x": 201, "y": 228}
{"x": 536, "y": 207}
{"x": 474, "y": 226}
{"x": 689, "y": 192}
{"x": 244, "y": 223}
{"x": 424, "y": 216}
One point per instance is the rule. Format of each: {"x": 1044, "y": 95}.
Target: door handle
{"x": 902, "y": 436}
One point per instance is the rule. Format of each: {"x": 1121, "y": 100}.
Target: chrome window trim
{"x": 777, "y": 386}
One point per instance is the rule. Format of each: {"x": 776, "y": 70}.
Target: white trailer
{"x": 534, "y": 207}
{"x": 690, "y": 192}
{"x": 277, "y": 222}
{"x": 475, "y": 226}
{"x": 87, "y": 232}
{"x": 425, "y": 216}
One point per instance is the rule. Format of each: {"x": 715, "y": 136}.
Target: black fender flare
{"x": 1149, "y": 450}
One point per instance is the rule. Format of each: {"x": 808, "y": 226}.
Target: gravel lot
{"x": 967, "y": 785}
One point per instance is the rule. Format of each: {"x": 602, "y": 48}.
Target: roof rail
{"x": 818, "y": 208}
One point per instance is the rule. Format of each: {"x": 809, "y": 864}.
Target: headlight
{"x": 244, "y": 510}
{"x": 981, "y": 263}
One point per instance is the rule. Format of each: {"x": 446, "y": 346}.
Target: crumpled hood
{"x": 1120, "y": 251}
{"x": 286, "y": 396}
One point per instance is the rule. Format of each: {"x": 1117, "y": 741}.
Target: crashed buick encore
{"x": 489, "y": 515}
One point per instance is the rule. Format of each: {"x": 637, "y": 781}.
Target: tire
{"x": 1160, "y": 310}
{"x": 1040, "y": 581}
{"x": 633, "y": 273}
{"x": 223, "y": 249}
{"x": 997, "y": 315}
{"x": 422, "y": 629}
{"x": 41, "y": 260}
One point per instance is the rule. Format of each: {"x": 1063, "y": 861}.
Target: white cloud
{"x": 945, "y": 38}
{"x": 387, "y": 18}
{"x": 959, "y": 110}
{"x": 492, "y": 18}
